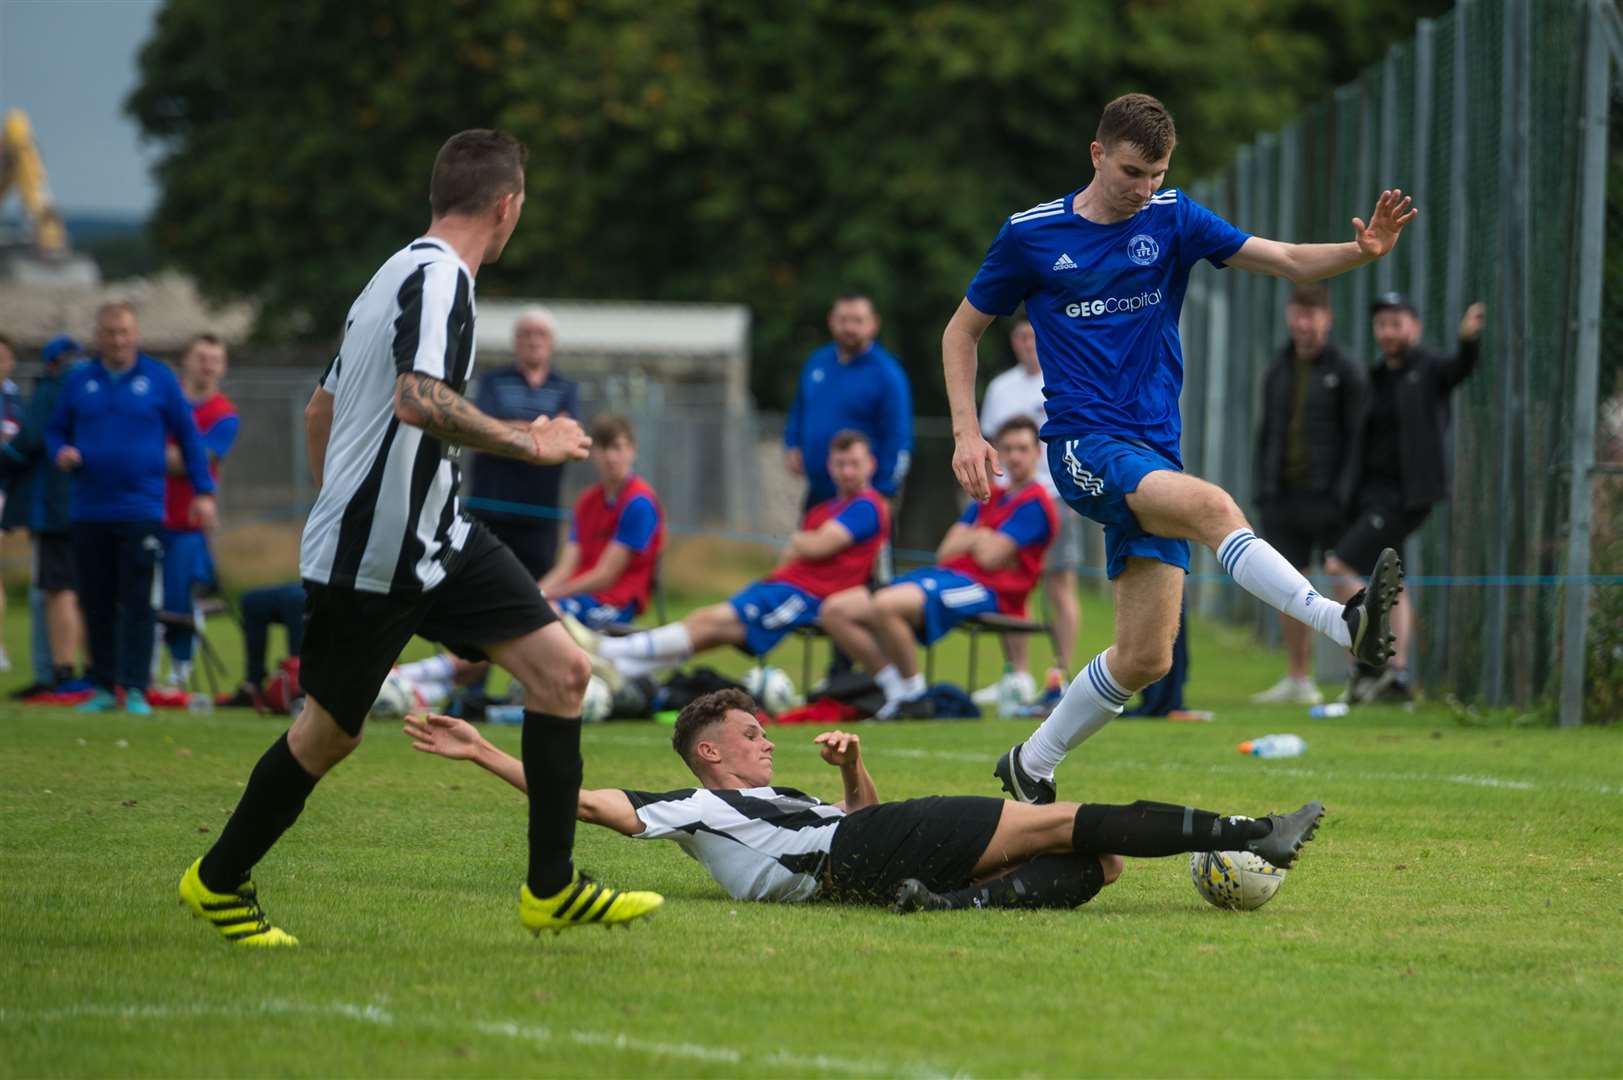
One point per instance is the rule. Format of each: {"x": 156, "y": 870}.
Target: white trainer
{"x": 1289, "y": 691}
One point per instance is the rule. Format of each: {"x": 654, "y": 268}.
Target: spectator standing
{"x": 1312, "y": 407}
{"x": 40, "y": 495}
{"x": 851, "y": 383}
{"x": 1019, "y": 392}
{"x": 109, "y": 427}
{"x": 519, "y": 501}
{"x": 1401, "y": 454}
{"x": 187, "y": 561}
{"x": 11, "y": 407}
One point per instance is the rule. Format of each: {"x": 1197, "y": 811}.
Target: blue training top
{"x": 870, "y": 394}
{"x": 1104, "y": 303}
{"x": 118, "y": 423}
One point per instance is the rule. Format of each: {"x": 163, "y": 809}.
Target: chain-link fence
{"x": 1495, "y": 118}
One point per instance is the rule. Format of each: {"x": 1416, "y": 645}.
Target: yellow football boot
{"x": 583, "y": 902}
{"x": 236, "y": 915}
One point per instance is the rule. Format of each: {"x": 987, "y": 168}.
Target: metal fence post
{"x": 1591, "y": 237}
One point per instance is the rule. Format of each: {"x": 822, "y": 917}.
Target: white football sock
{"x": 436, "y": 669}
{"x": 1093, "y": 699}
{"x": 890, "y": 681}
{"x": 1266, "y": 574}
{"x": 632, "y": 668}
{"x": 915, "y": 686}
{"x": 670, "y": 643}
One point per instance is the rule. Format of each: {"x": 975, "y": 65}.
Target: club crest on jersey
{"x": 1143, "y": 249}
{"x": 140, "y": 384}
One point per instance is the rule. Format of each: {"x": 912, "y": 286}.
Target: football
{"x": 598, "y": 704}
{"x": 1234, "y": 880}
{"x": 396, "y": 697}
{"x": 772, "y": 689}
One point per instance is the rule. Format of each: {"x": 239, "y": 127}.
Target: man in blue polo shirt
{"x": 109, "y": 429}
{"x": 853, "y": 384}
{"x": 516, "y": 500}
{"x": 1102, "y": 271}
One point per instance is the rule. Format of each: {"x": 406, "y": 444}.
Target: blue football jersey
{"x": 1104, "y": 302}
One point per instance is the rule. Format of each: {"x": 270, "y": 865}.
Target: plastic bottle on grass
{"x": 1274, "y": 746}
{"x": 1328, "y": 711}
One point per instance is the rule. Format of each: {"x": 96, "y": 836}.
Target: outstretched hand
{"x": 839, "y": 747}
{"x": 1471, "y": 322}
{"x": 447, "y": 736}
{"x": 975, "y": 463}
{"x": 1393, "y": 210}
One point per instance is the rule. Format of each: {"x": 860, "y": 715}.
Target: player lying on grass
{"x": 762, "y": 842}
{"x": 834, "y": 550}
{"x": 990, "y": 560}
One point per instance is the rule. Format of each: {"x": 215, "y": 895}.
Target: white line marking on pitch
{"x": 503, "y": 1029}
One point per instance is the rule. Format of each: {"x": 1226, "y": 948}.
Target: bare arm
{"x": 562, "y": 570}
{"x": 450, "y": 737}
{"x": 828, "y": 539}
{"x": 428, "y": 403}
{"x": 844, "y": 751}
{"x": 958, "y": 541}
{"x": 1302, "y": 263}
{"x": 993, "y": 550}
{"x": 974, "y": 462}
{"x": 610, "y": 565}
{"x": 317, "y": 426}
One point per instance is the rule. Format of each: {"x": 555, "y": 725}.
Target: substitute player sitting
{"x": 606, "y": 571}
{"x": 761, "y": 842}
{"x": 834, "y": 550}
{"x": 1102, "y": 272}
{"x": 990, "y": 560}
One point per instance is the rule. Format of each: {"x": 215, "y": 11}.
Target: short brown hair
{"x": 1310, "y": 295}
{"x": 609, "y": 429}
{"x": 700, "y": 713}
{"x": 473, "y": 169}
{"x": 202, "y": 339}
{"x": 1014, "y": 424}
{"x": 1142, "y": 122}
{"x": 846, "y": 438}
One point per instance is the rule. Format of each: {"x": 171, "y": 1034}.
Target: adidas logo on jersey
{"x": 1064, "y": 262}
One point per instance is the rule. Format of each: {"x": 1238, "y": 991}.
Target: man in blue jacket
{"x": 109, "y": 429}
{"x": 40, "y": 494}
{"x": 851, "y": 382}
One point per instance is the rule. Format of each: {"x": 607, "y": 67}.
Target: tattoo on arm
{"x": 428, "y": 403}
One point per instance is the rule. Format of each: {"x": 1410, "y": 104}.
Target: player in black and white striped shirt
{"x": 387, "y": 554}
{"x": 762, "y": 842}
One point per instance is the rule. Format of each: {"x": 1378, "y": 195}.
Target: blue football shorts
{"x": 769, "y": 610}
{"x": 949, "y": 599}
{"x": 1095, "y": 474}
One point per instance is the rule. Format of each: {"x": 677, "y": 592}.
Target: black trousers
{"x": 116, "y": 561}
{"x": 260, "y": 607}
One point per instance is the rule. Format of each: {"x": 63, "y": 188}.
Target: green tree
{"x": 718, "y": 150}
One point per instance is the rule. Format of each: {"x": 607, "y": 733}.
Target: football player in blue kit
{"x": 1102, "y": 273}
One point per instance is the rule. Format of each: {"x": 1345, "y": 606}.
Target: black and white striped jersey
{"x": 387, "y": 519}
{"x": 767, "y": 843}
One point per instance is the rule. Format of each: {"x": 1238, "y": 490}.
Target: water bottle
{"x": 1008, "y": 694}
{"x": 1329, "y": 711}
{"x": 1274, "y": 746}
{"x": 504, "y": 714}
{"x": 200, "y": 704}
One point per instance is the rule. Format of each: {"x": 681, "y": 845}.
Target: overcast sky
{"x": 69, "y": 64}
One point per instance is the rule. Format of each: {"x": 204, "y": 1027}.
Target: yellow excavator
{"x": 45, "y": 258}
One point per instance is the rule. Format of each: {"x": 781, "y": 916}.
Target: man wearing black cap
{"x": 40, "y": 494}
{"x": 1401, "y": 453}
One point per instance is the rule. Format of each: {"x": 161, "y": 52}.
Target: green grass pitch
{"x": 1457, "y": 915}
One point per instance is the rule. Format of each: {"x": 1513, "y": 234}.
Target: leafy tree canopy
{"x": 720, "y": 150}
